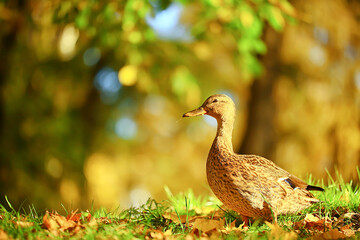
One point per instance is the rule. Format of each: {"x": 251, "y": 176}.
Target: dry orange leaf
{"x": 88, "y": 217}
{"x": 57, "y": 223}
{"x": 311, "y": 218}
{"x": 49, "y": 223}
{"x": 157, "y": 234}
{"x": 331, "y": 234}
{"x": 24, "y": 224}
{"x": 74, "y": 216}
{"x": 278, "y": 232}
{"x": 206, "y": 225}
{"x": 348, "y": 232}
{"x": 174, "y": 217}
{"x": 312, "y": 222}
{"x": 3, "y": 235}
{"x": 105, "y": 220}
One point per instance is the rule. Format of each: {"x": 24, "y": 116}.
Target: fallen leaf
{"x": 346, "y": 227}
{"x": 104, "y": 220}
{"x": 3, "y": 235}
{"x": 64, "y": 224}
{"x": 206, "y": 225}
{"x": 157, "y": 235}
{"x": 348, "y": 232}
{"x": 352, "y": 216}
{"x": 93, "y": 223}
{"x": 311, "y": 218}
{"x": 175, "y": 218}
{"x": 24, "y": 224}
{"x": 320, "y": 225}
{"x": 189, "y": 237}
{"x": 331, "y": 234}
{"x": 74, "y": 216}
{"x": 88, "y": 217}
{"x": 312, "y": 222}
{"x": 278, "y": 233}
{"x": 49, "y": 223}
{"x": 168, "y": 233}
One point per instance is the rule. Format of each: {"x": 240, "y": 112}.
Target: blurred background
{"x": 92, "y": 94}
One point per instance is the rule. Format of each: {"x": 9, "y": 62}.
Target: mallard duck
{"x": 251, "y": 185}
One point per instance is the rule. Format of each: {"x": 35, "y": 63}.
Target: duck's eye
{"x": 215, "y": 100}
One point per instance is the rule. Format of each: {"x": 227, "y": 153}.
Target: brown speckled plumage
{"x": 248, "y": 184}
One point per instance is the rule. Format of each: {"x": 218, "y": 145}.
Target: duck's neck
{"x": 223, "y": 137}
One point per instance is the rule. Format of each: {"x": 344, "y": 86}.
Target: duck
{"x": 251, "y": 185}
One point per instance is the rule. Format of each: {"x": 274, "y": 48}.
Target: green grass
{"x": 148, "y": 220}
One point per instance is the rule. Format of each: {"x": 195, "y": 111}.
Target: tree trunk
{"x": 260, "y": 136}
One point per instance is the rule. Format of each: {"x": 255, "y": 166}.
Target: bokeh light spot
{"x": 68, "y": 41}
{"x": 126, "y": 128}
{"x": 321, "y": 34}
{"x": 317, "y": 55}
{"x": 54, "y": 167}
{"x": 202, "y": 51}
{"x": 102, "y": 175}
{"x": 139, "y": 196}
{"x": 210, "y": 121}
{"x": 197, "y": 131}
{"x": 167, "y": 24}
{"x": 357, "y": 79}
{"x": 107, "y": 82}
{"x": 154, "y": 104}
{"x": 135, "y": 37}
{"x": 69, "y": 191}
{"x": 91, "y": 56}
{"x": 128, "y": 75}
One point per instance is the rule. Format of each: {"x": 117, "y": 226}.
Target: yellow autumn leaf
{"x": 175, "y": 218}
{"x": 310, "y": 218}
{"x": 206, "y": 225}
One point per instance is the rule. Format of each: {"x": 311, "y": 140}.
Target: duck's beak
{"x": 196, "y": 112}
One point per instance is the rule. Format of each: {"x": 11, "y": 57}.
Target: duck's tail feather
{"x": 314, "y": 188}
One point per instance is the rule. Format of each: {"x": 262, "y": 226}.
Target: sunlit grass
{"x": 338, "y": 198}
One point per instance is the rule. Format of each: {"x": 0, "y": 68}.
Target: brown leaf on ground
{"x": 350, "y": 219}
{"x": 24, "y": 224}
{"x": 49, "y": 223}
{"x": 56, "y": 224}
{"x": 206, "y": 225}
{"x": 312, "y": 222}
{"x": 311, "y": 218}
{"x": 331, "y": 234}
{"x": 348, "y": 232}
{"x": 175, "y": 218}
{"x": 320, "y": 225}
{"x": 3, "y": 235}
{"x": 104, "y": 220}
{"x": 278, "y": 232}
{"x": 74, "y": 216}
{"x": 88, "y": 217}
{"x": 63, "y": 223}
{"x": 156, "y": 234}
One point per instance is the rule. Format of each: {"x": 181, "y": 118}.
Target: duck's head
{"x": 218, "y": 106}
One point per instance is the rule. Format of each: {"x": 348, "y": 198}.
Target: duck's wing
{"x": 272, "y": 182}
